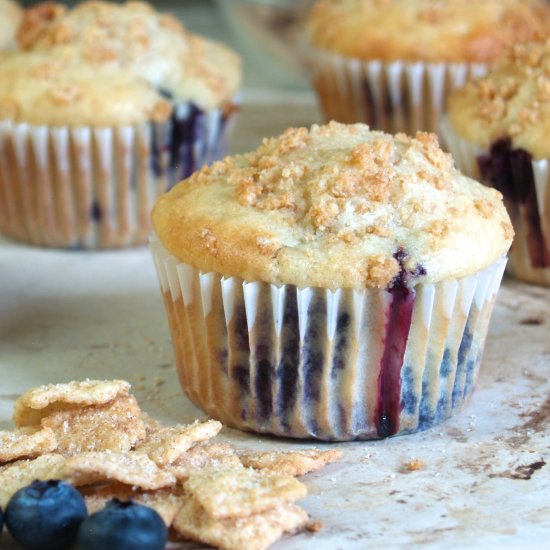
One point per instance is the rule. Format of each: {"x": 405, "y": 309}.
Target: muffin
{"x": 497, "y": 128}
{"x": 103, "y": 108}
{"x": 331, "y": 284}
{"x": 10, "y": 16}
{"x": 391, "y": 63}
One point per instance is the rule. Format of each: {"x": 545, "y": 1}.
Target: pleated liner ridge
{"x": 393, "y": 96}
{"x": 312, "y": 363}
{"x": 95, "y": 187}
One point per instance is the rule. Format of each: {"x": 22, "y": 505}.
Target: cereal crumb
{"x": 415, "y": 465}
{"x": 314, "y": 526}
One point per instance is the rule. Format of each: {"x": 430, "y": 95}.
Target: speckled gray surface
{"x": 485, "y": 478}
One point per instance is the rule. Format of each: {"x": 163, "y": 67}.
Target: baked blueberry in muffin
{"x": 497, "y": 130}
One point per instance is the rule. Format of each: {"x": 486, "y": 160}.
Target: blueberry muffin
{"x": 497, "y": 129}
{"x": 103, "y": 108}
{"x": 391, "y": 63}
{"x": 331, "y": 284}
{"x": 10, "y": 16}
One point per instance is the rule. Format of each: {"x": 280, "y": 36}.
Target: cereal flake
{"x": 256, "y": 532}
{"x": 26, "y": 443}
{"x": 213, "y": 455}
{"x": 19, "y": 474}
{"x": 39, "y": 402}
{"x": 115, "y": 426}
{"x": 134, "y": 469}
{"x": 292, "y": 463}
{"x": 168, "y": 444}
{"x": 241, "y": 492}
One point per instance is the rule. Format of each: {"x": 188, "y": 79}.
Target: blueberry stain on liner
{"x": 331, "y": 376}
{"x": 110, "y": 179}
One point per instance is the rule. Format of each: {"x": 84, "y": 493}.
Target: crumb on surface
{"x": 415, "y": 465}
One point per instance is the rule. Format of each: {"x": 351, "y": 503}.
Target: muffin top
{"x": 335, "y": 206}
{"x": 513, "y": 101}
{"x": 10, "y": 16}
{"x": 426, "y": 30}
{"x": 110, "y": 64}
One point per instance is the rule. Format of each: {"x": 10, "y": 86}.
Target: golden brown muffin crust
{"x": 335, "y": 206}
{"x": 513, "y": 101}
{"x": 426, "y": 30}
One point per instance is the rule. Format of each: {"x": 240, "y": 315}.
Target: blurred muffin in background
{"x": 103, "y": 108}
{"x": 497, "y": 129}
{"x": 391, "y": 63}
{"x": 10, "y": 16}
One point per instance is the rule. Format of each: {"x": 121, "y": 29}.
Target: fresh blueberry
{"x": 123, "y": 526}
{"x": 45, "y": 515}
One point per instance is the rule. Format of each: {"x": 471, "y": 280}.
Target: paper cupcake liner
{"x": 95, "y": 187}
{"x": 526, "y": 196}
{"x": 396, "y": 96}
{"x": 312, "y": 363}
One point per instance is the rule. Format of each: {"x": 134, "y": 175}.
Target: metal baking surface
{"x": 484, "y": 476}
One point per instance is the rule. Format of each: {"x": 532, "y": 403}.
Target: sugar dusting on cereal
{"x": 94, "y": 435}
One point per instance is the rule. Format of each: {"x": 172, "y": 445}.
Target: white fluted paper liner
{"x": 520, "y": 264}
{"x": 95, "y": 187}
{"x": 306, "y": 363}
{"x": 395, "y": 96}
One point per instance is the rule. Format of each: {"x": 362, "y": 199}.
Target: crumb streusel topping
{"x": 106, "y": 64}
{"x": 512, "y": 101}
{"x": 335, "y": 206}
